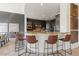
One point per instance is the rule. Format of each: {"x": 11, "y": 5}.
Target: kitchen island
{"x": 42, "y": 36}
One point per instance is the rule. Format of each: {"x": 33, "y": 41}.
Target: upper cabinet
{"x": 74, "y": 22}
{"x": 74, "y": 9}
{"x": 74, "y": 16}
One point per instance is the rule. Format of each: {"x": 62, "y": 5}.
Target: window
{"x": 13, "y": 27}
{"x": 3, "y": 27}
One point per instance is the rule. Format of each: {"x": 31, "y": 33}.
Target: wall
{"x": 57, "y": 24}
{"x": 7, "y": 17}
{"x": 12, "y": 7}
{"x": 65, "y": 20}
{"x": 64, "y": 17}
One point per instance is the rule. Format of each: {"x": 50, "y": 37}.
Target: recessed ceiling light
{"x": 41, "y": 4}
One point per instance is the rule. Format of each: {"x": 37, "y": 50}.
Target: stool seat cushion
{"x": 49, "y": 42}
{"x": 32, "y": 42}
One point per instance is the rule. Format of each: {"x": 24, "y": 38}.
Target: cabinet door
{"x": 74, "y": 10}
{"x": 74, "y": 22}
{"x": 74, "y": 36}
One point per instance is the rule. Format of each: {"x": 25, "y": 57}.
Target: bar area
{"x": 48, "y": 30}
{"x": 42, "y": 29}
{"x": 35, "y": 25}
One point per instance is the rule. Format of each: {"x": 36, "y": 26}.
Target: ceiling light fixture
{"x": 41, "y": 4}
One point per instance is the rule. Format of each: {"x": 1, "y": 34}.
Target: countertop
{"x": 51, "y": 33}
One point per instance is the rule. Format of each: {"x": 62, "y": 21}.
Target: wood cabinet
{"x": 74, "y": 10}
{"x": 74, "y": 36}
{"x": 74, "y": 22}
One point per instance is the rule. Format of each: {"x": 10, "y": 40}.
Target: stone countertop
{"x": 47, "y": 33}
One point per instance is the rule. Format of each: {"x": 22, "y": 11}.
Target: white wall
{"x": 65, "y": 20}
{"x": 12, "y": 7}
{"x": 25, "y": 25}
{"x": 64, "y": 17}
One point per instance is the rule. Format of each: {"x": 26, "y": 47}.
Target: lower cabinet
{"x": 74, "y": 36}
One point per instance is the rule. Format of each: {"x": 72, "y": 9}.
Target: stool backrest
{"x": 30, "y": 39}
{"x": 52, "y": 39}
{"x": 18, "y": 36}
{"x": 67, "y": 37}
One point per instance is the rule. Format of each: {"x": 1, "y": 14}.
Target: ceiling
{"x": 12, "y": 7}
{"x": 77, "y": 4}
{"x": 42, "y": 11}
{"x": 8, "y": 16}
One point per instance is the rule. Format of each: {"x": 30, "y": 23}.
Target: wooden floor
{"x": 8, "y": 50}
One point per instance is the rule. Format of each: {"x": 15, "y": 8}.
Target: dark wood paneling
{"x": 74, "y": 22}
{"x": 74, "y": 9}
{"x": 74, "y": 36}
{"x": 34, "y": 22}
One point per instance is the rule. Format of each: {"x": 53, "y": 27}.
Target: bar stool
{"x": 19, "y": 43}
{"x": 66, "y": 39}
{"x": 32, "y": 40}
{"x": 52, "y": 39}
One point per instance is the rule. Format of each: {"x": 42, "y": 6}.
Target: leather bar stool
{"x": 52, "y": 39}
{"x": 19, "y": 42}
{"x": 32, "y": 40}
{"x": 64, "y": 41}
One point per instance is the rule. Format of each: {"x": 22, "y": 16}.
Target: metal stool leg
{"x": 64, "y": 48}
{"x": 57, "y": 49}
{"x": 62, "y": 45}
{"x": 22, "y": 44}
{"x": 47, "y": 49}
{"x": 38, "y": 48}
{"x": 35, "y": 49}
{"x": 18, "y": 49}
{"x": 52, "y": 50}
{"x": 30, "y": 49}
{"x": 70, "y": 49}
{"x": 25, "y": 49}
{"x": 44, "y": 49}
{"x": 15, "y": 45}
